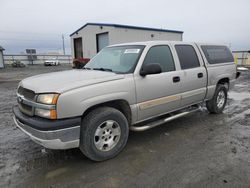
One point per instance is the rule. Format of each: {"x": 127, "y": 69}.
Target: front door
{"x": 157, "y": 93}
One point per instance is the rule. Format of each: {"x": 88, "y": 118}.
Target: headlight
{"x": 47, "y": 98}
{"x": 50, "y": 114}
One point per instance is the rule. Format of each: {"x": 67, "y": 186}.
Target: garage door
{"x": 102, "y": 41}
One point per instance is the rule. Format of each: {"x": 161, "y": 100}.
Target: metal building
{"x": 242, "y": 58}
{"x": 1, "y": 57}
{"x": 92, "y": 37}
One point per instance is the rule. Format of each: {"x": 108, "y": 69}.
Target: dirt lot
{"x": 199, "y": 150}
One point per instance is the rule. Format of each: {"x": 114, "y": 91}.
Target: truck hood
{"x": 63, "y": 81}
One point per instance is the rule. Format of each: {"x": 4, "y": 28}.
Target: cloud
{"x": 224, "y": 21}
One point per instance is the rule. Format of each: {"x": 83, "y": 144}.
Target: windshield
{"x": 118, "y": 59}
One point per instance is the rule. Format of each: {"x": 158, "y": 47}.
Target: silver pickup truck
{"x": 133, "y": 86}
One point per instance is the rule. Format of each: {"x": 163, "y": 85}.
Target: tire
{"x": 98, "y": 146}
{"x": 215, "y": 106}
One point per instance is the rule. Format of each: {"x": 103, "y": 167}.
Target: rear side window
{"x": 187, "y": 56}
{"x": 161, "y": 55}
{"x": 217, "y": 54}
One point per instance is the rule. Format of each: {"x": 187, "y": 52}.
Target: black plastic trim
{"x": 45, "y": 124}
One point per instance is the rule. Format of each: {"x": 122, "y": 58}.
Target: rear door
{"x": 194, "y": 79}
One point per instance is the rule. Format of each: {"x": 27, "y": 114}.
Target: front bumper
{"x": 59, "y": 138}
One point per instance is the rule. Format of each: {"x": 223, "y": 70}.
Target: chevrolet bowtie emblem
{"x": 20, "y": 99}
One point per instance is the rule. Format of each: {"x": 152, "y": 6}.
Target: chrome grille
{"x": 26, "y": 109}
{"x": 26, "y": 93}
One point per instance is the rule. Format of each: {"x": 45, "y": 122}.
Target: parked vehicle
{"x": 79, "y": 63}
{"x": 17, "y": 64}
{"x": 134, "y": 86}
{"x": 52, "y": 62}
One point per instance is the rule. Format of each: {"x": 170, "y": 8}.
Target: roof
{"x": 241, "y": 51}
{"x": 1, "y": 48}
{"x": 163, "y": 42}
{"x": 127, "y": 27}
{"x": 153, "y": 42}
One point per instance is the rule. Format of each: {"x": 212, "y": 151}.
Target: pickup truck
{"x": 132, "y": 86}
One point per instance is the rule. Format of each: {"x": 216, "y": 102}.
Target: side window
{"x": 161, "y": 55}
{"x": 217, "y": 54}
{"x": 187, "y": 56}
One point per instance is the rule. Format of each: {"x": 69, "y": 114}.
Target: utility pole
{"x": 63, "y": 44}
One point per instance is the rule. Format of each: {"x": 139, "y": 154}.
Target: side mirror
{"x": 153, "y": 68}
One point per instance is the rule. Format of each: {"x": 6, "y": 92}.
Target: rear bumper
{"x": 64, "y": 138}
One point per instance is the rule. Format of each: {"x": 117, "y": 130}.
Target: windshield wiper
{"x": 86, "y": 68}
{"x": 103, "y": 69}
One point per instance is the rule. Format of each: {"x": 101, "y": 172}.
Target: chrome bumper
{"x": 54, "y": 139}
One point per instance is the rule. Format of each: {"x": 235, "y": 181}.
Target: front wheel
{"x": 104, "y": 133}
{"x": 217, "y": 104}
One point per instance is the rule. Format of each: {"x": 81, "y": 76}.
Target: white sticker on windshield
{"x": 133, "y": 51}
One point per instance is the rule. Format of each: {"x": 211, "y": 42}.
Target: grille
{"x": 28, "y": 94}
{"x": 25, "y": 109}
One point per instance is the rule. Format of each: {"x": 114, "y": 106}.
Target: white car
{"x": 51, "y": 62}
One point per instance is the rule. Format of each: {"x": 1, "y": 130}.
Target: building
{"x": 1, "y": 57}
{"x": 92, "y": 37}
{"x": 242, "y": 57}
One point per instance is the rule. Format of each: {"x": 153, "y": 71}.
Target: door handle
{"x": 200, "y": 75}
{"x": 176, "y": 79}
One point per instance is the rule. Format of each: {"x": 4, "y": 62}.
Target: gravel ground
{"x": 199, "y": 150}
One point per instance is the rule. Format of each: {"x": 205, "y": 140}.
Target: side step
{"x": 163, "y": 120}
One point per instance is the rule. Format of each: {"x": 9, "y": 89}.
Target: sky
{"x": 40, "y": 24}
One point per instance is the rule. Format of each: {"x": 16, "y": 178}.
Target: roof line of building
{"x": 127, "y": 27}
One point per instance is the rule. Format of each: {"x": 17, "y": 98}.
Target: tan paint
{"x": 159, "y": 101}
{"x": 192, "y": 93}
{"x": 163, "y": 100}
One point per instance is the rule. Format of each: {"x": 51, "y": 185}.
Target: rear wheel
{"x": 217, "y": 104}
{"x": 104, "y": 133}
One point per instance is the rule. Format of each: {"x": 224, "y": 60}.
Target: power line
{"x": 28, "y": 33}
{"x": 30, "y": 40}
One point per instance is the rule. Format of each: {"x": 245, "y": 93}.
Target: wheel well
{"x": 223, "y": 81}
{"x": 120, "y": 105}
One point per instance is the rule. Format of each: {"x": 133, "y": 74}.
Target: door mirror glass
{"x": 153, "y": 68}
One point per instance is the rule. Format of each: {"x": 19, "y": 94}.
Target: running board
{"x": 161, "y": 121}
